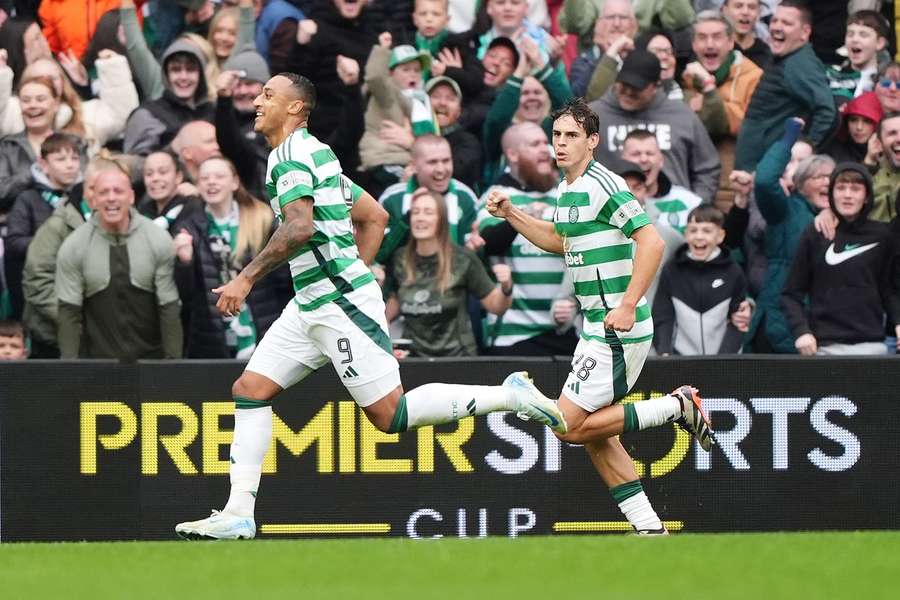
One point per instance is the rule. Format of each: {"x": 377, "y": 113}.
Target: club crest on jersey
{"x": 573, "y": 214}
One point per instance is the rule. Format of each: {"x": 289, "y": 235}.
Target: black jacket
{"x": 28, "y": 213}
{"x": 317, "y": 60}
{"x": 693, "y": 305}
{"x": 467, "y": 154}
{"x": 174, "y": 214}
{"x": 204, "y": 328}
{"x": 248, "y": 150}
{"x": 846, "y": 281}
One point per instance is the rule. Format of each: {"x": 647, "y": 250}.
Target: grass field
{"x": 760, "y": 566}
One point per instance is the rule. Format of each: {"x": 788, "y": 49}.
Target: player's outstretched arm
{"x": 369, "y": 220}
{"x": 540, "y": 233}
{"x": 296, "y": 230}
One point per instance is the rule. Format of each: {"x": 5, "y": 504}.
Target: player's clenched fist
{"x": 498, "y": 204}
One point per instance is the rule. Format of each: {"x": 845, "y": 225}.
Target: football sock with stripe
{"x": 651, "y": 413}
{"x": 635, "y": 506}
{"x": 435, "y": 403}
{"x": 252, "y": 436}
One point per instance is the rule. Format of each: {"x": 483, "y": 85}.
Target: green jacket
{"x": 786, "y": 218}
{"x": 39, "y": 277}
{"x": 117, "y": 294}
{"x": 578, "y": 16}
{"x": 886, "y": 182}
{"x": 504, "y": 108}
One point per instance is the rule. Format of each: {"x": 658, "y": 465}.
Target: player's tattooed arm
{"x": 296, "y": 230}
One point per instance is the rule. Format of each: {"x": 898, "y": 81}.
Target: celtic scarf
{"x": 421, "y": 116}
{"x": 240, "y": 331}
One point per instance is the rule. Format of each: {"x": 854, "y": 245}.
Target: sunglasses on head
{"x": 889, "y": 83}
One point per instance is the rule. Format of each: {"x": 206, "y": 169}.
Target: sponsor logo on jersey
{"x": 574, "y": 260}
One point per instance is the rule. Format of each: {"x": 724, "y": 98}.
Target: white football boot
{"x": 218, "y": 526}
{"x": 532, "y": 405}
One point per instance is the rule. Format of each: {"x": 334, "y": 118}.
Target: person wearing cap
{"x": 156, "y": 122}
{"x": 530, "y": 180}
{"x": 237, "y": 86}
{"x": 497, "y": 65}
{"x": 396, "y": 100}
{"x": 446, "y": 100}
{"x": 637, "y": 102}
{"x": 534, "y": 90}
{"x": 334, "y": 34}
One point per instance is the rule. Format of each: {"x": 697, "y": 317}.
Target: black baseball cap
{"x": 506, "y": 43}
{"x": 640, "y": 69}
{"x": 622, "y": 167}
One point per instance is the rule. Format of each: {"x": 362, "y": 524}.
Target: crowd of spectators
{"x": 762, "y": 138}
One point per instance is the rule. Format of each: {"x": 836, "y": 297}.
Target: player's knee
{"x": 241, "y": 388}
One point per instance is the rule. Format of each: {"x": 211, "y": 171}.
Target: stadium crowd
{"x": 761, "y": 137}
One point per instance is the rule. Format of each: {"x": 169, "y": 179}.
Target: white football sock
{"x": 252, "y": 435}
{"x": 639, "y": 513}
{"x": 436, "y": 403}
{"x": 657, "y": 411}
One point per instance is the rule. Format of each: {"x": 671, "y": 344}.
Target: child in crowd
{"x": 699, "y": 290}
{"x": 12, "y": 341}
{"x": 450, "y": 52}
{"x": 866, "y": 36}
{"x": 859, "y": 120}
{"x": 397, "y": 98}
{"x": 56, "y": 177}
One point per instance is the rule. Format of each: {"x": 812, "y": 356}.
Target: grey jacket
{"x": 691, "y": 158}
{"x": 16, "y": 158}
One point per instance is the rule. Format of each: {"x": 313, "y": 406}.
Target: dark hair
{"x": 304, "y": 88}
{"x": 890, "y": 115}
{"x": 578, "y": 109}
{"x": 850, "y": 176}
{"x": 707, "y": 213}
{"x": 800, "y": 5}
{"x": 643, "y": 39}
{"x": 58, "y": 142}
{"x": 12, "y": 329}
{"x": 640, "y": 135}
{"x": 872, "y": 20}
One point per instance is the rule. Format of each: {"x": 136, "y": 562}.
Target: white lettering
{"x": 727, "y": 440}
{"x": 527, "y": 444}
{"x": 516, "y": 526}
{"x": 818, "y": 418}
{"x": 780, "y": 408}
{"x": 414, "y": 518}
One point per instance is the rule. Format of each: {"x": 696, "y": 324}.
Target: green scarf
{"x": 722, "y": 72}
{"x": 240, "y": 332}
{"x": 421, "y": 115}
{"x": 53, "y": 197}
{"x": 432, "y": 45}
{"x": 85, "y": 209}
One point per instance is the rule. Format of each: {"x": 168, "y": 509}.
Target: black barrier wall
{"x": 103, "y": 451}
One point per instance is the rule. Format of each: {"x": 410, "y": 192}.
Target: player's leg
{"x": 354, "y": 336}
{"x": 604, "y": 373}
{"x": 616, "y": 468}
{"x": 283, "y": 357}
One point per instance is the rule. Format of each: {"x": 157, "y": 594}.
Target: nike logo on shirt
{"x": 834, "y": 258}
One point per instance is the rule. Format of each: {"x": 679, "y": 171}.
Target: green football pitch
{"x": 797, "y": 566}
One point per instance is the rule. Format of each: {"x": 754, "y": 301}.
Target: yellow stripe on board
{"x": 604, "y": 526}
{"x": 324, "y": 528}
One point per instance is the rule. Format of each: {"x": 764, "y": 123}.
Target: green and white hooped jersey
{"x": 596, "y": 215}
{"x": 536, "y": 274}
{"x": 328, "y": 265}
{"x": 673, "y": 208}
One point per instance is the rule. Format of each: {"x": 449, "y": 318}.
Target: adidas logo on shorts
{"x": 350, "y": 372}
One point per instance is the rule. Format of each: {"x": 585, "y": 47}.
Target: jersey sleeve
{"x": 350, "y": 191}
{"x": 293, "y": 180}
{"x": 624, "y": 212}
